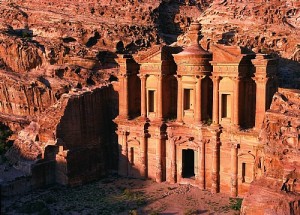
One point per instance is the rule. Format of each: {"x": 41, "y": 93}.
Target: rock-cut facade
{"x": 192, "y": 116}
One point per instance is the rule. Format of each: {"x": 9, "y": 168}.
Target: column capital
{"x": 235, "y": 145}
{"x": 260, "y": 79}
{"x": 143, "y": 134}
{"x": 236, "y": 78}
{"x": 143, "y": 76}
{"x": 200, "y": 77}
{"x": 122, "y": 132}
{"x": 123, "y": 75}
{"x": 215, "y": 78}
{"x": 160, "y": 136}
{"x": 160, "y": 75}
{"x": 178, "y": 77}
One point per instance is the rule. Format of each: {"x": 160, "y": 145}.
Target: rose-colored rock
{"x": 75, "y": 133}
{"x": 58, "y": 57}
{"x": 277, "y": 191}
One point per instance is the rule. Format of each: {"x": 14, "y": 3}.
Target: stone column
{"x": 215, "y": 162}
{"x": 121, "y": 95}
{"x": 236, "y": 103}
{"x": 124, "y": 108}
{"x": 143, "y": 96}
{"x": 261, "y": 94}
{"x": 158, "y": 159}
{"x": 179, "y": 100}
{"x": 173, "y": 162}
{"x": 234, "y": 169}
{"x": 216, "y": 83}
{"x": 198, "y": 111}
{"x": 143, "y": 140}
{"x": 202, "y": 165}
{"x": 123, "y": 161}
{"x": 159, "y": 98}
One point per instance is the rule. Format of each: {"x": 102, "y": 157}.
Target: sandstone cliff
{"x": 74, "y": 133}
{"x": 50, "y": 49}
{"x": 279, "y": 163}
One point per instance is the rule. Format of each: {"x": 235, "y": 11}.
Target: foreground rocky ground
{"x": 121, "y": 196}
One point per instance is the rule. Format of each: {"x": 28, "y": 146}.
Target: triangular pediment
{"x": 153, "y": 54}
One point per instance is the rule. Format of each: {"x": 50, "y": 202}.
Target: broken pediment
{"x": 157, "y": 54}
{"x": 226, "y": 54}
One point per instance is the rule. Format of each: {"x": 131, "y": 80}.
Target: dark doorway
{"x": 188, "y": 163}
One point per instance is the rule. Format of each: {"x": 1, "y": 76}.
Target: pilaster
{"x": 143, "y": 155}
{"x": 265, "y": 69}
{"x": 261, "y": 95}
{"x": 158, "y": 177}
{"x": 143, "y": 79}
{"x": 160, "y": 99}
{"x": 179, "y": 99}
{"x": 236, "y": 103}
{"x": 198, "y": 111}
{"x": 216, "y": 83}
{"x": 173, "y": 171}
{"x": 123, "y": 160}
{"x": 123, "y": 95}
{"x": 215, "y": 141}
{"x": 201, "y": 156}
{"x": 234, "y": 169}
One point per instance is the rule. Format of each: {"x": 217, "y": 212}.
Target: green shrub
{"x": 236, "y": 203}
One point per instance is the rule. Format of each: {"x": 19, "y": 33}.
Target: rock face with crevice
{"x": 277, "y": 190}
{"x": 73, "y": 135}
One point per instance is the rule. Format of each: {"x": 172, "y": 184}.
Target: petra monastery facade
{"x": 191, "y": 116}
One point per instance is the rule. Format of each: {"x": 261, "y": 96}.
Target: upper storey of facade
{"x": 228, "y": 86}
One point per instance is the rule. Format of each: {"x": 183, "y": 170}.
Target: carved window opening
{"x": 246, "y": 173}
{"x": 226, "y": 106}
{"x": 151, "y": 101}
{"x": 188, "y": 163}
{"x": 188, "y": 99}
{"x": 131, "y": 156}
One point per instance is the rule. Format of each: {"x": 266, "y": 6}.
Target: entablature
{"x": 190, "y": 69}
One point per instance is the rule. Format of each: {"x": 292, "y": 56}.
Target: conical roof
{"x": 194, "y": 49}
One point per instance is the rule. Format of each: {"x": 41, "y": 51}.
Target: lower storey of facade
{"x": 209, "y": 157}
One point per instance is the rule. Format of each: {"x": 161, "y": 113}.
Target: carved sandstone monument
{"x": 200, "y": 129}
{"x": 137, "y": 87}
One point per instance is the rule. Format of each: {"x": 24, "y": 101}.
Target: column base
{"x": 180, "y": 122}
{"x": 121, "y": 117}
{"x": 143, "y": 119}
{"x": 215, "y": 126}
{"x": 158, "y": 180}
{"x": 198, "y": 123}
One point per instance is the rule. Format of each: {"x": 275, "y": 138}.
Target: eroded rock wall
{"x": 270, "y": 27}
{"x": 277, "y": 191}
{"x": 76, "y": 133}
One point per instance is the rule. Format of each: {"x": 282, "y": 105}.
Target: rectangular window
{"x": 243, "y": 171}
{"x": 226, "y": 106}
{"x": 247, "y": 172}
{"x": 187, "y": 99}
{"x": 151, "y": 101}
{"x": 132, "y": 155}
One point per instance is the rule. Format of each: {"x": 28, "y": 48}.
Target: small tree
{"x": 5, "y": 133}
